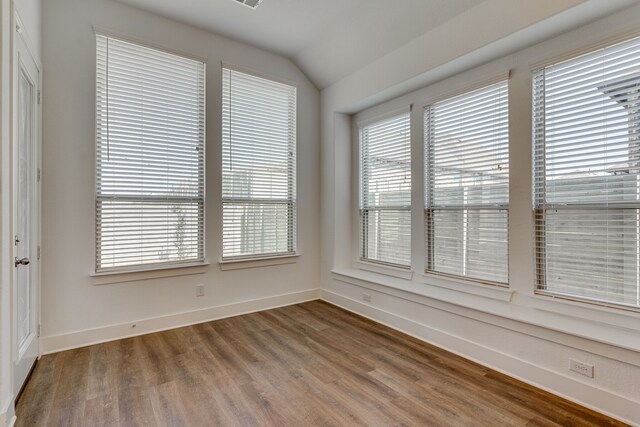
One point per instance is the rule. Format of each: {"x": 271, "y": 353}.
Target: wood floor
{"x": 303, "y": 365}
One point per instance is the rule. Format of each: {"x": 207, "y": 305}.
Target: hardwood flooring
{"x": 303, "y": 365}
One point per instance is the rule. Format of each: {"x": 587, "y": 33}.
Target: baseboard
{"x": 618, "y": 407}
{"x": 7, "y": 416}
{"x": 56, "y": 343}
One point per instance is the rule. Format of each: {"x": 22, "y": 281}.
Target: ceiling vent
{"x": 253, "y": 4}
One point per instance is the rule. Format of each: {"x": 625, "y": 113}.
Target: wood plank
{"x": 40, "y": 389}
{"x": 309, "y": 364}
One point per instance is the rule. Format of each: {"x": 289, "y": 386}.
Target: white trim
{"x": 546, "y": 61}
{"x": 238, "y": 264}
{"x": 6, "y": 210}
{"x": 157, "y": 272}
{"x": 612, "y": 315}
{"x": 480, "y": 83}
{"x": 70, "y": 340}
{"x": 363, "y": 120}
{"x": 619, "y": 407}
{"x": 487, "y": 290}
{"x": 7, "y": 413}
{"x": 23, "y": 56}
{"x": 99, "y": 31}
{"x": 28, "y": 43}
{"x": 7, "y": 421}
{"x": 569, "y": 328}
{"x": 388, "y": 270}
{"x": 259, "y": 74}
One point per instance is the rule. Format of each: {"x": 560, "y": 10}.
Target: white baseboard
{"x": 56, "y": 343}
{"x": 605, "y": 402}
{"x": 7, "y": 416}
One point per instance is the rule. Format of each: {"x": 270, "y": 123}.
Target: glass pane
{"x": 594, "y": 253}
{"x": 471, "y": 243}
{"x": 257, "y": 228}
{"x": 468, "y": 149}
{"x": 143, "y": 232}
{"x": 388, "y": 236}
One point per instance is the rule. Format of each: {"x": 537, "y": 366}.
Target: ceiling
{"x": 327, "y": 39}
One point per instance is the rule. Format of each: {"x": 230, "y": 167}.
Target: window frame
{"x": 541, "y": 294}
{"x": 154, "y": 268}
{"x": 366, "y": 263}
{"x": 428, "y": 208}
{"x": 272, "y": 258}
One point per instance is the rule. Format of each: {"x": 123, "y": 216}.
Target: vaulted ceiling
{"x": 327, "y": 39}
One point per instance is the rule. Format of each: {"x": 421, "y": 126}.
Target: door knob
{"x": 23, "y": 261}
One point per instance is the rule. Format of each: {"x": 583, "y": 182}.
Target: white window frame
{"x": 429, "y": 207}
{"x": 272, "y": 258}
{"x": 365, "y": 262}
{"x": 544, "y": 297}
{"x": 162, "y": 267}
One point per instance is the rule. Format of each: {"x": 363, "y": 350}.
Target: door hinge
{"x": 39, "y": 97}
{"x": 38, "y": 174}
{"x": 39, "y": 329}
{"x": 38, "y": 253}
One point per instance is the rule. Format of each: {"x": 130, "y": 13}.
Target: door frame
{"x": 22, "y": 46}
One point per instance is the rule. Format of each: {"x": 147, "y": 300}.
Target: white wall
{"x": 526, "y": 336}
{"x": 77, "y": 309}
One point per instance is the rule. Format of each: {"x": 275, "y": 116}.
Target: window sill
{"x": 238, "y": 264}
{"x": 486, "y": 290}
{"x": 580, "y": 309}
{"x": 448, "y": 290}
{"x": 610, "y": 326}
{"x": 401, "y": 273}
{"x": 133, "y": 275}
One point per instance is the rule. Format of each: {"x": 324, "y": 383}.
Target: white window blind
{"x": 258, "y": 166}
{"x": 587, "y": 188}
{"x": 467, "y": 184}
{"x": 149, "y": 156}
{"x": 385, "y": 191}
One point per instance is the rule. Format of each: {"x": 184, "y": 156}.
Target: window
{"x": 586, "y": 177}
{"x": 149, "y": 157}
{"x": 467, "y": 184}
{"x": 258, "y": 167}
{"x": 385, "y": 191}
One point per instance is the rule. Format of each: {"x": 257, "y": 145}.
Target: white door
{"x": 26, "y": 216}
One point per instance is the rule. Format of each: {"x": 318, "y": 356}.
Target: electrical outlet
{"x": 199, "y": 290}
{"x": 581, "y": 368}
{"x": 366, "y": 297}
